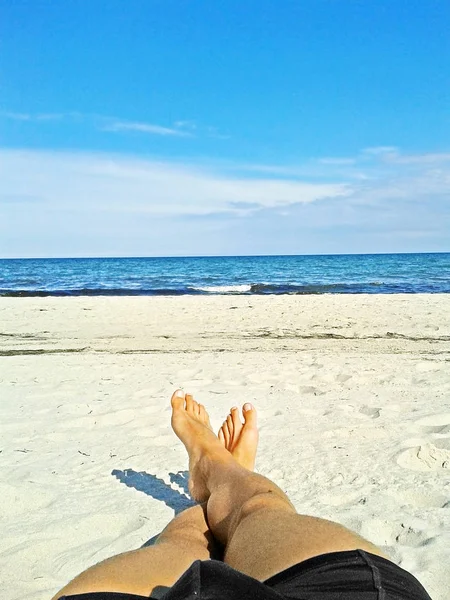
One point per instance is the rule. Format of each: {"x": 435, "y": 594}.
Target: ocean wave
{"x": 375, "y": 287}
{"x": 95, "y": 292}
{"x": 224, "y": 289}
{"x": 312, "y": 288}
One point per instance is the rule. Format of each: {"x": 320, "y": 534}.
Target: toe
{"x": 249, "y": 413}
{"x": 189, "y": 403}
{"x": 177, "y": 400}
{"x": 202, "y": 412}
{"x": 221, "y": 436}
{"x": 237, "y": 424}
{"x": 230, "y": 426}
{"x": 226, "y": 434}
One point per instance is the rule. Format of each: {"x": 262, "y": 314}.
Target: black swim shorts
{"x": 353, "y": 575}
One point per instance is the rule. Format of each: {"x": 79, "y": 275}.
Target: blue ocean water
{"x": 342, "y": 274}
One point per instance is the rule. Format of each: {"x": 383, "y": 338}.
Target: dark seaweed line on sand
{"x": 338, "y": 336}
{"x": 38, "y": 351}
{"x": 257, "y": 335}
{"x": 41, "y": 351}
{"x": 287, "y": 349}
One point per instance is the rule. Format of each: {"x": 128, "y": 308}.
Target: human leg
{"x": 250, "y": 515}
{"x": 185, "y": 539}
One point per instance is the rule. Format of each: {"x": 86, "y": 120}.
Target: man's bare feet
{"x": 241, "y": 439}
{"x": 190, "y": 422}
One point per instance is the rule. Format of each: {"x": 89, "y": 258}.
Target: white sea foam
{"x": 225, "y": 289}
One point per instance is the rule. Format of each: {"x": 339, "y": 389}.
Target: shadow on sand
{"x": 158, "y": 489}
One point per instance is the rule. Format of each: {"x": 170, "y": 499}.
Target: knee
{"x": 264, "y": 501}
{"x": 183, "y": 532}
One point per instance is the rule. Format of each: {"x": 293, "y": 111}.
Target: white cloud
{"x": 32, "y": 117}
{"x": 81, "y": 203}
{"x": 75, "y": 181}
{"x": 15, "y": 116}
{"x": 185, "y": 124}
{"x": 419, "y": 159}
{"x": 184, "y": 128}
{"x": 380, "y": 150}
{"x": 144, "y": 128}
{"x": 49, "y": 116}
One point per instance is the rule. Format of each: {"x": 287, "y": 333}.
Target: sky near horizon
{"x": 162, "y": 127}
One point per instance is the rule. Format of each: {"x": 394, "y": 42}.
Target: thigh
{"x": 269, "y": 539}
{"x": 185, "y": 540}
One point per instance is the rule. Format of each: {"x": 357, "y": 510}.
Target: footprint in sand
{"x": 343, "y": 378}
{"x": 438, "y": 429}
{"x": 370, "y": 411}
{"x": 439, "y": 424}
{"x": 427, "y": 457}
{"x": 310, "y": 389}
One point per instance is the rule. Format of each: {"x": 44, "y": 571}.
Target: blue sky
{"x": 163, "y": 127}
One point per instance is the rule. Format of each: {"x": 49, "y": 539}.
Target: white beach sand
{"x": 353, "y": 394}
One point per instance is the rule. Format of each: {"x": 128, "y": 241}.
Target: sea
{"x": 243, "y": 275}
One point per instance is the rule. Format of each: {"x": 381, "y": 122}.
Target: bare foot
{"x": 241, "y": 439}
{"x": 190, "y": 422}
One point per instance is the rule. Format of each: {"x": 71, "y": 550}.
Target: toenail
{"x": 179, "y": 394}
{"x": 248, "y": 406}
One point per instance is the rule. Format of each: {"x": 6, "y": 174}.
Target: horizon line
{"x": 220, "y": 256}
